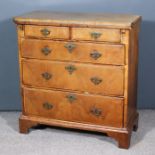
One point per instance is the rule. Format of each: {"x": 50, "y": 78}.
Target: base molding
{"x": 122, "y": 135}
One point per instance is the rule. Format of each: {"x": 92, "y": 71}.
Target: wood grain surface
{"x": 79, "y": 70}
{"x": 82, "y": 52}
{"x": 78, "y": 19}
{"x": 54, "y": 32}
{"x": 77, "y": 111}
{"x": 111, "y": 76}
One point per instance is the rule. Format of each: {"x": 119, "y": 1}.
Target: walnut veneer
{"x": 79, "y": 70}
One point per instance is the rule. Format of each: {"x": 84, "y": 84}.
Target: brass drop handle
{"x": 46, "y": 75}
{"x": 95, "y": 35}
{"x": 70, "y": 68}
{"x": 71, "y": 98}
{"x": 95, "y": 111}
{"x": 70, "y": 47}
{"x": 96, "y": 80}
{"x": 47, "y": 106}
{"x": 95, "y": 55}
{"x": 46, "y": 50}
{"x": 45, "y": 32}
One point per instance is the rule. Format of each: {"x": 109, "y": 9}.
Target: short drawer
{"x": 96, "y": 79}
{"x": 46, "y": 32}
{"x": 96, "y": 34}
{"x": 67, "y": 106}
{"x": 73, "y": 51}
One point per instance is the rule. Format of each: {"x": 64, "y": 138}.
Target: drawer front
{"x": 73, "y": 76}
{"x": 67, "y": 106}
{"x": 73, "y": 51}
{"x": 96, "y": 34}
{"x": 46, "y": 32}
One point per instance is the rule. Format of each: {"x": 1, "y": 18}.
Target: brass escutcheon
{"x": 96, "y": 80}
{"x": 71, "y": 97}
{"x": 47, "y": 106}
{"x": 46, "y": 50}
{"x": 45, "y": 32}
{"x": 70, "y": 68}
{"x": 95, "y": 55}
{"x": 95, "y": 111}
{"x": 70, "y": 47}
{"x": 46, "y": 75}
{"x": 95, "y": 35}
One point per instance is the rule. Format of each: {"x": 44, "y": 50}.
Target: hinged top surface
{"x": 78, "y": 19}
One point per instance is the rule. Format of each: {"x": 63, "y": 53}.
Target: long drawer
{"x": 97, "y": 79}
{"x": 73, "y": 51}
{"x": 95, "y": 109}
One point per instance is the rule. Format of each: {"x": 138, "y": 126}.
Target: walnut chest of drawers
{"x": 79, "y": 70}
